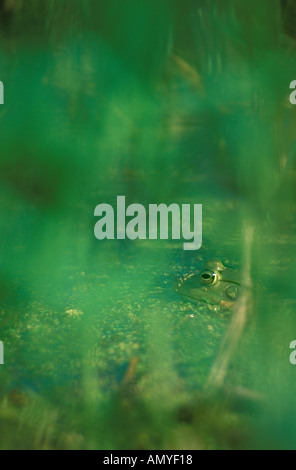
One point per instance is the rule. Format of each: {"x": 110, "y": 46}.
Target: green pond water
{"x": 101, "y": 352}
{"x": 99, "y": 340}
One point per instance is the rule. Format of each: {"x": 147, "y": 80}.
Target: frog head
{"x": 213, "y": 284}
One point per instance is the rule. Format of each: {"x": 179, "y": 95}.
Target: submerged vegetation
{"x": 162, "y": 101}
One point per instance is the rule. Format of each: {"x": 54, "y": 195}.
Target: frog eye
{"x": 207, "y": 278}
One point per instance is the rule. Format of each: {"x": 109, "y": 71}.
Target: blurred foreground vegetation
{"x": 161, "y": 101}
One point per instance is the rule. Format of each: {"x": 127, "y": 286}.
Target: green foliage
{"x": 160, "y": 101}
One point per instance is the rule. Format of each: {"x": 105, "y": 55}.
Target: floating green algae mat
{"x": 163, "y": 103}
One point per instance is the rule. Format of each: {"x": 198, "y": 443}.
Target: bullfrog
{"x": 214, "y": 284}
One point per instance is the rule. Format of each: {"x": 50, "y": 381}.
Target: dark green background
{"x": 160, "y": 101}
